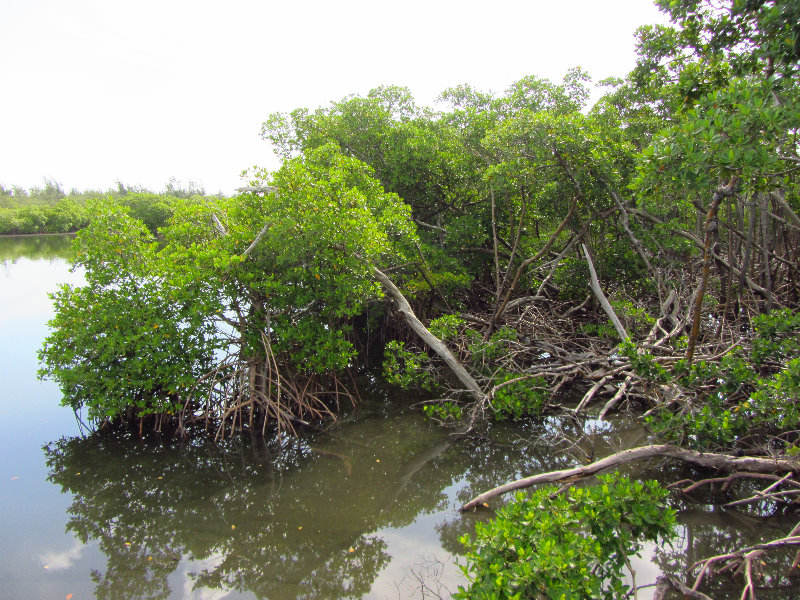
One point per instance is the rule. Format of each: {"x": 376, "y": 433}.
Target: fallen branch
{"x": 705, "y": 459}
{"x": 601, "y": 297}
{"x": 437, "y": 345}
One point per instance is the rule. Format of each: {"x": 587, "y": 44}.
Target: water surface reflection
{"x": 291, "y": 518}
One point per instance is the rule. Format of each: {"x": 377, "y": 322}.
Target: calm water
{"x": 366, "y": 508}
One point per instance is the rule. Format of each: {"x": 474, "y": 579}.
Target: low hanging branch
{"x": 404, "y": 308}
{"x": 705, "y": 459}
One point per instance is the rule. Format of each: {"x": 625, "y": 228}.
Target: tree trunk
{"x": 711, "y": 226}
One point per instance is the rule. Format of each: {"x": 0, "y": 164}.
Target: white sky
{"x": 141, "y": 91}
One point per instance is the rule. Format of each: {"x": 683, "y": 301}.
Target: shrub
{"x": 572, "y": 545}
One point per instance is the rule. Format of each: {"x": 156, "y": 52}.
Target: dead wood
{"x": 706, "y": 459}
{"x": 434, "y": 343}
{"x": 601, "y": 297}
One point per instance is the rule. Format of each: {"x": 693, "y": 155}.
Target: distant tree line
{"x": 49, "y": 209}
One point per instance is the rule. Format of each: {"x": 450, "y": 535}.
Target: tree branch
{"x": 707, "y": 459}
{"x": 601, "y": 297}
{"x": 404, "y": 308}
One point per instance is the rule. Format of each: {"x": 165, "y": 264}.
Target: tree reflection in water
{"x": 293, "y": 518}
{"x": 149, "y": 506}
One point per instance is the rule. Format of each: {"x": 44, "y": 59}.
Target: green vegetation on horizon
{"x": 49, "y": 209}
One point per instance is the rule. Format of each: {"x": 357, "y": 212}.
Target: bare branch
{"x": 717, "y": 461}
{"x": 601, "y": 297}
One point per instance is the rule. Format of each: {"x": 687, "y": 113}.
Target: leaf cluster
{"x": 573, "y": 544}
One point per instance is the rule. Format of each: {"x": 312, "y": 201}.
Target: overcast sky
{"x": 96, "y": 91}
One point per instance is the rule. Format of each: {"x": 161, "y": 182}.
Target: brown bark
{"x": 710, "y": 228}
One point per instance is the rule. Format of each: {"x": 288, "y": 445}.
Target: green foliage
{"x": 445, "y": 327}
{"x": 146, "y": 327}
{"x": 443, "y": 411}
{"x": 573, "y": 544}
{"x": 636, "y": 317}
{"x": 751, "y": 35}
{"x": 729, "y": 130}
{"x": 777, "y": 336}
{"x": 406, "y": 369}
{"x": 129, "y": 342}
{"x": 64, "y": 216}
{"x": 742, "y": 398}
{"x": 330, "y": 222}
{"x": 498, "y": 344}
{"x": 643, "y": 363}
{"x": 742, "y": 410}
{"x": 154, "y": 210}
{"x": 605, "y": 331}
{"x": 571, "y": 277}
{"x": 50, "y": 210}
{"x": 518, "y": 396}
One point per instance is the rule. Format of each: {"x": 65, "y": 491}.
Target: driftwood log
{"x": 705, "y": 459}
